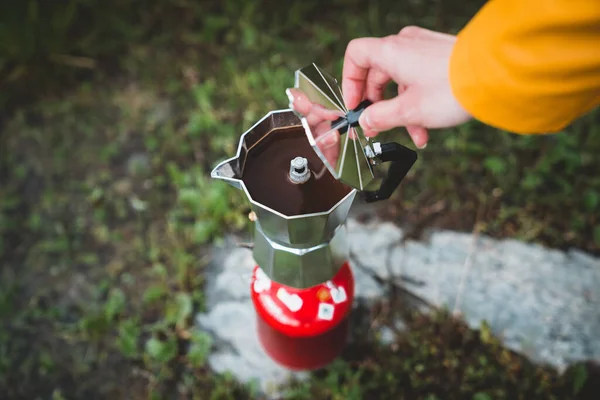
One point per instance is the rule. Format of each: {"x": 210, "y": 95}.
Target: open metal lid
{"x": 333, "y": 130}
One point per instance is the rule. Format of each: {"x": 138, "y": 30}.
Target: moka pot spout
{"x": 228, "y": 171}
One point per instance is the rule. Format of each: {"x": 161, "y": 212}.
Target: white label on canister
{"x": 262, "y": 281}
{"x": 291, "y": 301}
{"x": 325, "y": 311}
{"x": 276, "y": 311}
{"x": 338, "y": 295}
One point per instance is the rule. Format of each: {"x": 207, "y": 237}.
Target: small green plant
{"x": 210, "y": 205}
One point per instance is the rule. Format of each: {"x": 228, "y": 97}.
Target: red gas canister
{"x": 303, "y": 329}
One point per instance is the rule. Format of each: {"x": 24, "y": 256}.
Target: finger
{"x": 325, "y": 136}
{"x": 299, "y": 101}
{"x": 361, "y": 56}
{"x": 419, "y": 135}
{"x": 416, "y": 32}
{"x": 326, "y": 113}
{"x": 403, "y": 110}
{"x": 314, "y": 113}
{"x": 376, "y": 82}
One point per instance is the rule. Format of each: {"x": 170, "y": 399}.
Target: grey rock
{"x": 365, "y": 286}
{"x": 234, "y": 285}
{"x": 234, "y": 281}
{"x": 370, "y": 244}
{"x": 542, "y": 302}
{"x": 228, "y": 275}
{"x": 386, "y": 335}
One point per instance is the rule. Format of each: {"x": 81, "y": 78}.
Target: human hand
{"x": 417, "y": 60}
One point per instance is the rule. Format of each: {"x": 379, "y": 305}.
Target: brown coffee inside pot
{"x": 266, "y": 175}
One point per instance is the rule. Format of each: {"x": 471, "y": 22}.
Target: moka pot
{"x": 301, "y": 169}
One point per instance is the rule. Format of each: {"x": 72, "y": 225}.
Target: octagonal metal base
{"x": 300, "y": 267}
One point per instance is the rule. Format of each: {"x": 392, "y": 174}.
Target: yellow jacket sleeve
{"x": 529, "y": 66}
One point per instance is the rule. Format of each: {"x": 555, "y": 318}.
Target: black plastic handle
{"x": 402, "y": 159}
{"x": 351, "y": 117}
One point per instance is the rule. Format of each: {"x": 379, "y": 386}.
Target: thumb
{"x": 384, "y": 115}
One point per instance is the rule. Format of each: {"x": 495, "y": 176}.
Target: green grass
{"x": 107, "y": 209}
